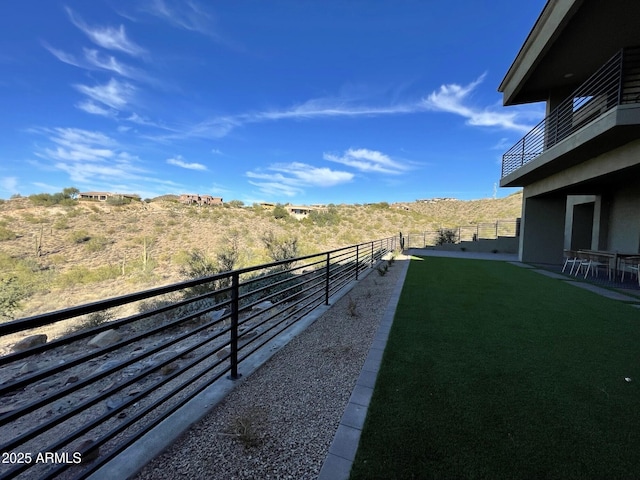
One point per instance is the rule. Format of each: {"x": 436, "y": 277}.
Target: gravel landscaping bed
{"x": 279, "y": 422}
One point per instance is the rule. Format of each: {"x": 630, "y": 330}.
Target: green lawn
{"x": 494, "y": 371}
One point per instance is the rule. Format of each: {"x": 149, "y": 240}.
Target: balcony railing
{"x": 68, "y": 407}
{"x": 616, "y": 83}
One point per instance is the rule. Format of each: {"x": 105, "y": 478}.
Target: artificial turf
{"x": 494, "y": 371}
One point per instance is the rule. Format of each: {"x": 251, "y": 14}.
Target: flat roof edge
{"x": 554, "y": 16}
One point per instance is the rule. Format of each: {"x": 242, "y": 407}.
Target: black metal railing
{"x": 616, "y": 83}
{"x": 463, "y": 233}
{"x": 67, "y": 408}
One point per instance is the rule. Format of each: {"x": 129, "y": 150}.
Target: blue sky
{"x": 293, "y": 101}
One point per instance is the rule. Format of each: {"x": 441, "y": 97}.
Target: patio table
{"x": 614, "y": 259}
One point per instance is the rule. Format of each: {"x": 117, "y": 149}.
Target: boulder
{"x": 262, "y": 305}
{"x": 223, "y": 352}
{"x": 28, "y": 368}
{"x": 105, "y": 339}
{"x": 29, "y": 342}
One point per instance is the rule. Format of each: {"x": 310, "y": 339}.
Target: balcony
{"x": 601, "y": 114}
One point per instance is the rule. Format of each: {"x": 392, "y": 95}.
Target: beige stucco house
{"x": 580, "y": 167}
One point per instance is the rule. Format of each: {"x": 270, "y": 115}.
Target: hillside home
{"x": 103, "y": 196}
{"x": 580, "y": 167}
{"x": 300, "y": 212}
{"x": 197, "y": 199}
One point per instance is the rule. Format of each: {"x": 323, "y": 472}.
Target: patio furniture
{"x": 571, "y": 258}
{"x": 630, "y": 264}
{"x": 592, "y": 261}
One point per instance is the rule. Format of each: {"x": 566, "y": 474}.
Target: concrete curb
{"x": 342, "y": 452}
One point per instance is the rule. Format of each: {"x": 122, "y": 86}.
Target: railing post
{"x": 235, "y": 294}
{"x": 357, "y": 260}
{"x": 372, "y": 259}
{"x": 326, "y": 281}
{"x": 621, "y": 78}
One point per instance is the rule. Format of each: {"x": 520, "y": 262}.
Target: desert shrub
{"x": 323, "y": 218}
{"x": 117, "y": 201}
{"x": 234, "y": 204}
{"x": 61, "y": 223}
{"x": 12, "y": 293}
{"x": 6, "y": 234}
{"x": 97, "y": 244}
{"x": 446, "y": 235}
{"x": 379, "y": 206}
{"x": 91, "y": 320}
{"x": 280, "y": 248}
{"x": 66, "y": 197}
{"x": 279, "y": 212}
{"x": 74, "y": 212}
{"x": 31, "y": 218}
{"x": 197, "y": 265}
{"x": 81, "y": 275}
{"x": 79, "y": 236}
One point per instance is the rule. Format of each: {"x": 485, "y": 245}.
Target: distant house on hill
{"x": 104, "y": 196}
{"x": 436, "y": 199}
{"x": 197, "y": 199}
{"x": 300, "y": 212}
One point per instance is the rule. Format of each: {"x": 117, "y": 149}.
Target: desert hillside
{"x": 60, "y": 256}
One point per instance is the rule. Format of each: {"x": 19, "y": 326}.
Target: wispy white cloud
{"x": 92, "y": 59}
{"x": 221, "y": 126}
{"x": 186, "y": 14}
{"x": 330, "y": 107}
{"x": 454, "y": 98}
{"x": 93, "y": 160}
{"x": 107, "y": 37}
{"x": 110, "y": 63}
{"x": 290, "y": 179}
{"x": 368, "y": 161}
{"x": 114, "y": 94}
{"x": 94, "y": 109}
{"x": 64, "y": 56}
{"x": 74, "y": 145}
{"x": 502, "y": 144}
{"x": 88, "y": 155}
{"x": 179, "y": 162}
{"x": 9, "y": 184}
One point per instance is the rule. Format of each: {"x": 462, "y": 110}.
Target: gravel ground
{"x": 280, "y": 421}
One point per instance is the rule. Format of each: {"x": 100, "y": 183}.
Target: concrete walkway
{"x": 337, "y": 465}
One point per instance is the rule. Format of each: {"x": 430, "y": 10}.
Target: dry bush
{"x": 235, "y": 234}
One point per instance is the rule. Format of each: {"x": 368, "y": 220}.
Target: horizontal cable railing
{"x": 70, "y": 405}
{"x": 616, "y": 82}
{"x": 462, "y": 233}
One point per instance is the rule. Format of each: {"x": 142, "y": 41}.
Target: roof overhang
{"x": 570, "y": 40}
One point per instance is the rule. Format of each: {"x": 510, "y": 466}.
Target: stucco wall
{"x": 624, "y": 219}
{"x": 542, "y": 229}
